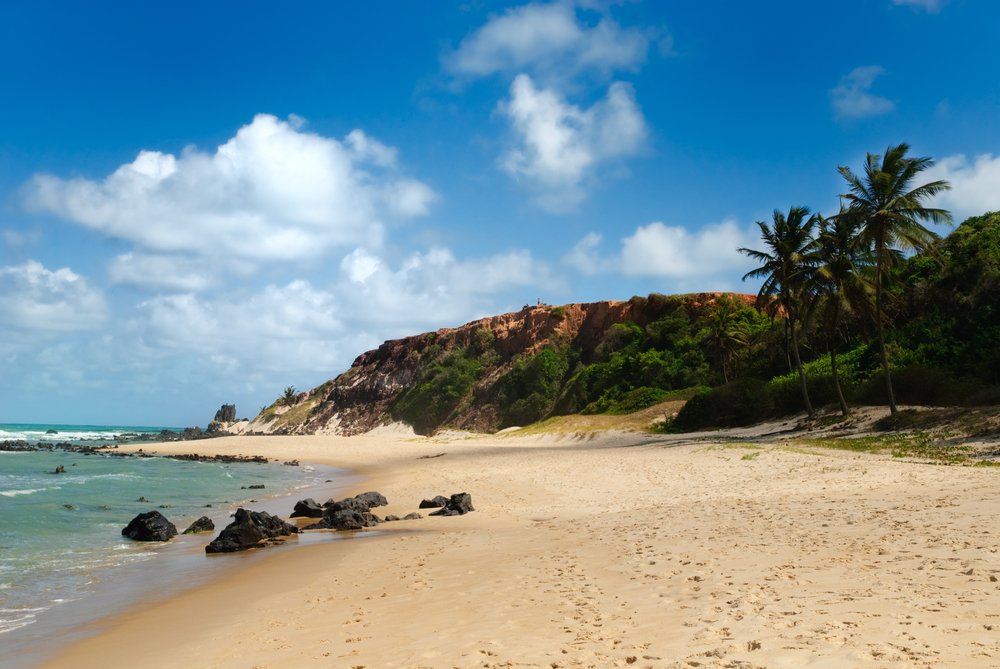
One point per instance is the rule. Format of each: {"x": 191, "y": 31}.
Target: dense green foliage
{"x": 444, "y": 385}
{"x": 528, "y": 390}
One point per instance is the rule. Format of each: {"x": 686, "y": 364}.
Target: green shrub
{"x": 740, "y": 402}
{"x": 528, "y": 391}
{"x": 443, "y": 386}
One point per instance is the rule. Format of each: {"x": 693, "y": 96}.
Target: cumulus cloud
{"x": 549, "y": 40}
{"x": 929, "y": 6}
{"x": 558, "y": 145}
{"x": 291, "y": 329}
{"x": 668, "y": 251}
{"x": 273, "y": 192}
{"x": 975, "y": 184}
{"x": 852, "y": 97}
{"x": 434, "y": 288}
{"x": 169, "y": 272}
{"x": 35, "y": 298}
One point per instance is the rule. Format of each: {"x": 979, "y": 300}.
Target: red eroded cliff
{"x": 363, "y": 397}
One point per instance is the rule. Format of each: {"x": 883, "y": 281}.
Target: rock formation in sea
{"x": 150, "y": 526}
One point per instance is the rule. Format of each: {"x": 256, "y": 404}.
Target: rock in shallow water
{"x": 150, "y": 526}
{"x": 203, "y": 524}
{"x": 249, "y": 529}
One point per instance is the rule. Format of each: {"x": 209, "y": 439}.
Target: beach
{"x": 600, "y": 549}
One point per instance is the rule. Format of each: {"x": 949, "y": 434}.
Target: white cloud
{"x": 668, "y": 251}
{"x": 549, "y": 40}
{"x": 271, "y": 193}
{"x": 434, "y": 289}
{"x": 291, "y": 329}
{"x": 674, "y": 251}
{"x": 35, "y": 298}
{"x": 852, "y": 97}
{"x": 975, "y": 184}
{"x": 584, "y": 257}
{"x": 161, "y": 271}
{"x": 558, "y": 145}
{"x": 929, "y": 6}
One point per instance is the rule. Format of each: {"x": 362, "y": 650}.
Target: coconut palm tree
{"x": 891, "y": 209}
{"x": 838, "y": 284}
{"x": 785, "y": 268}
{"x": 288, "y": 396}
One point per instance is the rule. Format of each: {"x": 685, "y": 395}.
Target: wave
{"x": 26, "y": 491}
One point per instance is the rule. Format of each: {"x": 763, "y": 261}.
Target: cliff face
{"x": 367, "y": 395}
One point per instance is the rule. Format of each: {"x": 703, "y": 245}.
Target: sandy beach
{"x": 601, "y": 550}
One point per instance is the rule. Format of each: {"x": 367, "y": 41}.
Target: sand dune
{"x": 604, "y": 550}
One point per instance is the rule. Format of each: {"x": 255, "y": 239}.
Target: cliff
{"x": 483, "y": 375}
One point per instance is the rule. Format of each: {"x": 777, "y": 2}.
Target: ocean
{"x": 63, "y": 560}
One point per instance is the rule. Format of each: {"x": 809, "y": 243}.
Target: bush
{"x": 527, "y": 392}
{"x": 444, "y": 385}
{"x": 740, "y": 402}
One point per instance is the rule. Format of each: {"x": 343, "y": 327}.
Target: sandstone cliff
{"x": 456, "y": 377}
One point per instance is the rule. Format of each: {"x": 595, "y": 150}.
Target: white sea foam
{"x": 26, "y": 491}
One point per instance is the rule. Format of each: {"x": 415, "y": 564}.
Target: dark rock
{"x": 459, "y": 505}
{"x": 412, "y": 516}
{"x": 307, "y": 508}
{"x": 372, "y": 499}
{"x": 255, "y": 486}
{"x": 360, "y": 503}
{"x": 226, "y": 414}
{"x": 344, "y": 519}
{"x": 203, "y": 524}
{"x": 390, "y": 518}
{"x": 249, "y": 529}
{"x": 434, "y": 503}
{"x": 150, "y": 526}
{"x": 291, "y": 463}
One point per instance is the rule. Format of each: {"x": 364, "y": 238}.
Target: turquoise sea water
{"x": 60, "y": 534}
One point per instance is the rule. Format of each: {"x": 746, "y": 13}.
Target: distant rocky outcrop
{"x": 226, "y": 414}
{"x": 385, "y": 385}
{"x": 150, "y": 526}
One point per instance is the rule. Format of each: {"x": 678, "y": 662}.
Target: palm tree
{"x": 891, "y": 211}
{"x": 838, "y": 283}
{"x": 288, "y": 396}
{"x": 784, "y": 266}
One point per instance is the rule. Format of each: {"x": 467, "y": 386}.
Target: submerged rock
{"x": 249, "y": 529}
{"x": 458, "y": 505}
{"x": 150, "y": 526}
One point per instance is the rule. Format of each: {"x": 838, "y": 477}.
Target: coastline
{"x": 600, "y": 549}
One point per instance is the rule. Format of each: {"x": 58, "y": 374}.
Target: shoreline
{"x": 607, "y": 549}
{"x": 180, "y": 564}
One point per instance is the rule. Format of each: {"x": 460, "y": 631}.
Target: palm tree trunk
{"x": 836, "y": 381}
{"x": 881, "y": 341}
{"x": 798, "y": 365}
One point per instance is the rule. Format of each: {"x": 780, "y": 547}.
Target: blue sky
{"x": 205, "y": 202}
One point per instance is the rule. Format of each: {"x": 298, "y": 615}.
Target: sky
{"x": 204, "y": 203}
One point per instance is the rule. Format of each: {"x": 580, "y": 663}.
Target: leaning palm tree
{"x": 891, "y": 210}
{"x": 838, "y": 284}
{"x": 785, "y": 267}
